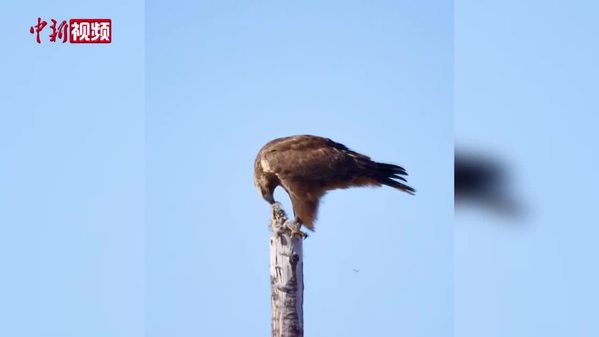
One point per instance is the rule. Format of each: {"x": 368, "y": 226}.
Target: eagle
{"x": 308, "y": 166}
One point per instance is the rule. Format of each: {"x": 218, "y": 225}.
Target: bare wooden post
{"x": 286, "y": 277}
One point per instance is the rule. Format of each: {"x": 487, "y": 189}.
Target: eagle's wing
{"x": 323, "y": 163}
{"x": 314, "y": 161}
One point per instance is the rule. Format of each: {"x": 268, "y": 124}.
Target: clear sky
{"x": 127, "y": 206}
{"x": 225, "y": 77}
{"x": 72, "y": 182}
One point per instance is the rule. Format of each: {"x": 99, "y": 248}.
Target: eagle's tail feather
{"x": 391, "y": 168}
{"x": 398, "y": 185}
{"x": 388, "y": 174}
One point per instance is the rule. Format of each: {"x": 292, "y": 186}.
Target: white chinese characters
{"x": 91, "y": 30}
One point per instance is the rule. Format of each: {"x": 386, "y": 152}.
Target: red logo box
{"x": 90, "y": 30}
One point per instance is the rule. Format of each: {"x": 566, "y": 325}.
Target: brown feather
{"x": 308, "y": 166}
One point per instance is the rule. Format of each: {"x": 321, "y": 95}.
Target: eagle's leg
{"x": 294, "y": 226}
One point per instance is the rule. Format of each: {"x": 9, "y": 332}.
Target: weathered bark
{"x": 286, "y": 277}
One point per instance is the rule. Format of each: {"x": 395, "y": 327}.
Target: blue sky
{"x": 72, "y": 179}
{"x": 223, "y": 79}
{"x": 127, "y": 206}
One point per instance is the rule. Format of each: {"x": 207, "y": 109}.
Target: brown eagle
{"x": 308, "y": 166}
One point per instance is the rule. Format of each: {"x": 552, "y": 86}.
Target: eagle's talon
{"x": 294, "y": 228}
{"x": 299, "y": 234}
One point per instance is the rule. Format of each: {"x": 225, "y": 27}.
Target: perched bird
{"x": 308, "y": 166}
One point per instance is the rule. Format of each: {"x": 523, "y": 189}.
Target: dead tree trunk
{"x": 286, "y": 277}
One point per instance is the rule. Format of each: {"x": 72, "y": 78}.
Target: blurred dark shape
{"x": 483, "y": 181}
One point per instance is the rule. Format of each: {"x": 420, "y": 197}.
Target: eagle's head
{"x": 265, "y": 181}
